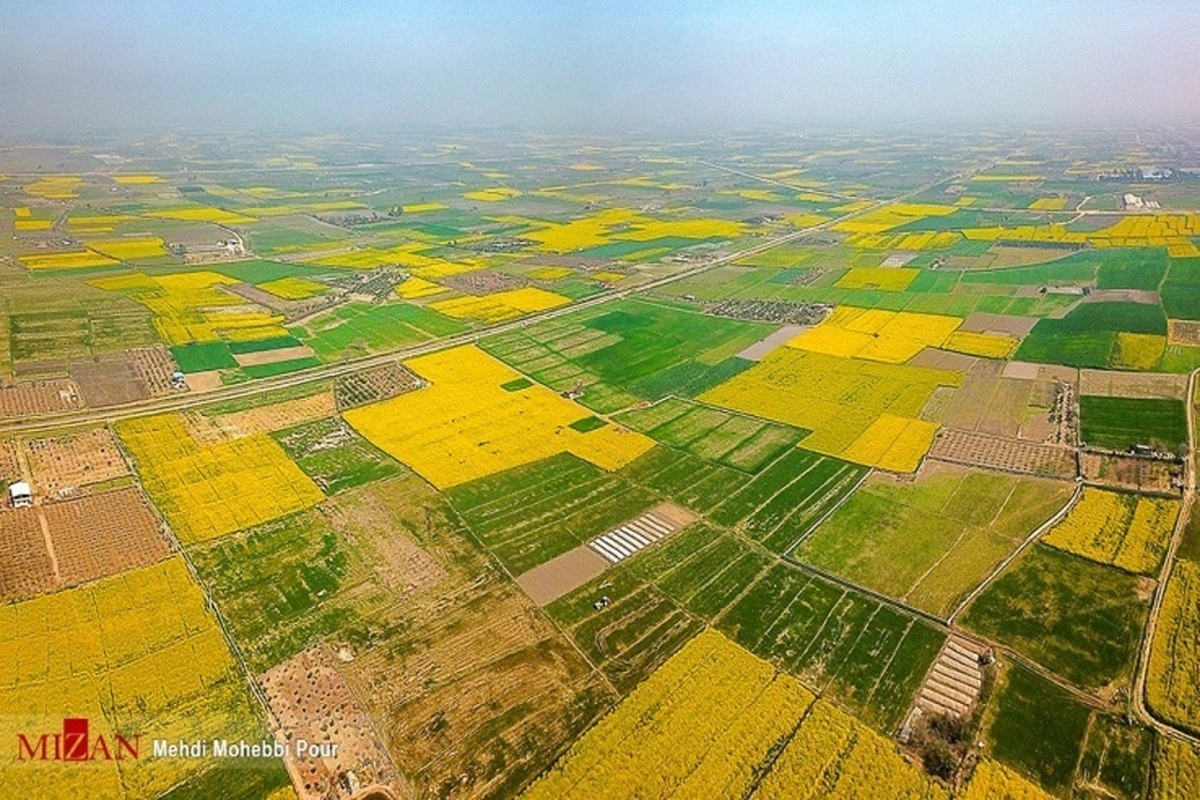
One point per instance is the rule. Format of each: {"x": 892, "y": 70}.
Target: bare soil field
{"x": 31, "y": 398}
{"x": 109, "y": 381}
{"x": 1001, "y": 324}
{"x": 373, "y": 385}
{"x": 312, "y": 701}
{"x": 1021, "y": 369}
{"x": 273, "y": 356}
{"x": 562, "y": 574}
{"x": 204, "y": 381}
{"x": 993, "y": 406}
{"x": 1105, "y": 383}
{"x": 154, "y": 366}
{"x": 482, "y": 282}
{"x": 934, "y": 358}
{"x": 65, "y": 463}
{"x": 25, "y": 566}
{"x": 104, "y": 534}
{"x": 1183, "y": 332}
{"x": 10, "y": 466}
{"x": 1143, "y": 296}
{"x": 1006, "y": 454}
{"x": 263, "y": 419}
{"x": 1122, "y": 471}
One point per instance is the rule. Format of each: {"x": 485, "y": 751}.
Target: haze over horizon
{"x": 75, "y": 66}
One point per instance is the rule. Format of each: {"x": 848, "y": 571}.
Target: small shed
{"x": 20, "y": 494}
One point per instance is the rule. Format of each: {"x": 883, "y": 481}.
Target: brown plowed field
{"x": 68, "y": 462}
{"x": 104, "y": 534}
{"x": 25, "y": 566}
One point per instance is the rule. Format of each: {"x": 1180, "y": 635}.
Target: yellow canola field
{"x": 500, "y": 306}
{"x": 293, "y": 288}
{"x": 207, "y": 490}
{"x": 134, "y": 653}
{"x": 888, "y": 279}
{"x": 700, "y": 726}
{"x": 835, "y": 757}
{"x": 57, "y": 187}
{"x": 76, "y": 259}
{"x": 421, "y": 208}
{"x": 994, "y": 781}
{"x": 1048, "y": 204}
{"x": 201, "y": 213}
{"x": 1173, "y": 681}
{"x": 928, "y": 240}
{"x": 33, "y": 224}
{"x": 1176, "y": 772}
{"x": 1138, "y": 351}
{"x": 494, "y": 195}
{"x": 874, "y": 334}
{"x": 893, "y": 443}
{"x": 1125, "y": 530}
{"x": 622, "y": 224}
{"x": 890, "y": 216}
{"x": 465, "y": 426}
{"x": 987, "y": 345}
{"x": 408, "y": 256}
{"x": 22, "y": 212}
{"x": 418, "y": 287}
{"x": 993, "y": 177}
{"x": 549, "y": 273}
{"x": 130, "y": 248}
{"x": 838, "y": 399}
{"x": 189, "y": 307}
{"x": 136, "y": 180}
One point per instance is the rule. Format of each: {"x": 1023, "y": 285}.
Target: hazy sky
{"x": 604, "y": 64}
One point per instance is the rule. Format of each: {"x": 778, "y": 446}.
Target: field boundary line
{"x": 1058, "y": 517}
{"x": 812, "y": 528}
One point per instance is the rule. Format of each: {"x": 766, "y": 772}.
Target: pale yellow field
{"x": 1048, "y": 204}
{"x": 136, "y": 653}
{"x": 622, "y": 224}
{"x": 891, "y": 280}
{"x": 135, "y": 180}
{"x": 1138, "y": 351}
{"x": 839, "y": 400}
{"x": 199, "y": 213}
{"x": 33, "y": 224}
{"x": 76, "y": 259}
{"x": 607, "y": 277}
{"x": 188, "y": 307}
{"x": 713, "y": 709}
{"x": 1012, "y": 178}
{"x": 293, "y": 288}
{"x": 129, "y": 248}
{"x": 893, "y": 443}
{"x": 56, "y": 187}
{"x": 549, "y": 273}
{"x": 418, "y": 287}
{"x": 464, "y": 426}
{"x": 500, "y": 306}
{"x": 890, "y": 336}
{"x": 1173, "y": 680}
{"x": 494, "y": 195}
{"x": 421, "y": 208}
{"x": 210, "y": 489}
{"x": 987, "y": 345}
{"x": 1124, "y": 530}
{"x": 890, "y": 216}
{"x": 994, "y": 781}
{"x": 928, "y": 240}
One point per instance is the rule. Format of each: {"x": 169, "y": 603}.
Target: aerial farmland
{"x": 691, "y": 400}
{"x": 501, "y": 474}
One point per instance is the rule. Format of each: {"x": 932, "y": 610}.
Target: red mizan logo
{"x": 75, "y": 743}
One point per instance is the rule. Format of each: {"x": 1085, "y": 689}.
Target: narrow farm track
{"x": 70, "y": 419}
{"x": 1141, "y": 709}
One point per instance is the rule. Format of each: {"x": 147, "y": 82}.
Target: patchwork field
{"x": 931, "y": 541}
{"x": 834, "y": 640}
{"x": 466, "y": 425}
{"x": 862, "y": 411}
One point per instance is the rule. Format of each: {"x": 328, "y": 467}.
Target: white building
{"x": 20, "y": 494}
